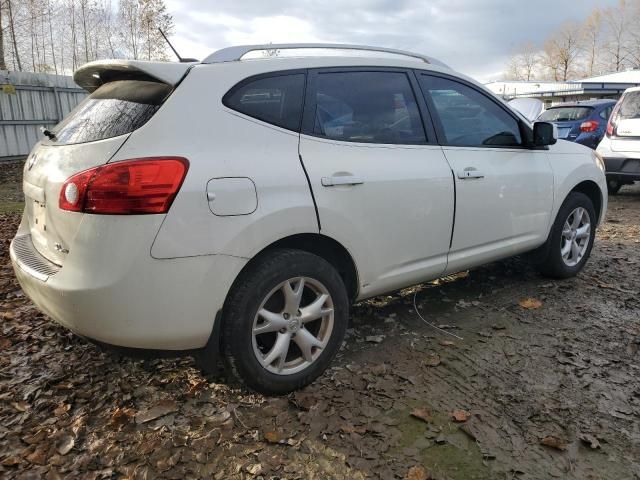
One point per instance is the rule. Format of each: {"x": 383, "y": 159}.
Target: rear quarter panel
{"x": 219, "y": 142}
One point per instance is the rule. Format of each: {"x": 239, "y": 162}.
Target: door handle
{"x": 470, "y": 172}
{"x": 341, "y": 180}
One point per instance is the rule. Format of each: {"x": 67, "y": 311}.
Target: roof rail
{"x": 232, "y": 54}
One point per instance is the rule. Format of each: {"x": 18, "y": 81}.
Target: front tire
{"x": 284, "y": 321}
{"x": 571, "y": 238}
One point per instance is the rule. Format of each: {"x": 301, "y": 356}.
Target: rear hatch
{"x": 627, "y": 125}
{"x": 567, "y": 118}
{"x": 122, "y": 100}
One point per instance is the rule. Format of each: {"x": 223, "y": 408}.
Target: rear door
{"x": 383, "y": 188}
{"x": 89, "y": 136}
{"x": 504, "y": 191}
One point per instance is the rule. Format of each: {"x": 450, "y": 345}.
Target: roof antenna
{"x": 180, "y": 59}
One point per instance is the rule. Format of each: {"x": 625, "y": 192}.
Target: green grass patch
{"x": 457, "y": 457}
{"x": 11, "y": 207}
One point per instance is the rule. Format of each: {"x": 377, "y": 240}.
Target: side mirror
{"x": 544, "y": 133}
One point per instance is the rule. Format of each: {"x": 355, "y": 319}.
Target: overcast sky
{"x": 475, "y": 37}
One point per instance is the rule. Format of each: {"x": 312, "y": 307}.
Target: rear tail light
{"x": 611, "y": 124}
{"x": 130, "y": 187}
{"x": 589, "y": 126}
{"x": 610, "y": 128}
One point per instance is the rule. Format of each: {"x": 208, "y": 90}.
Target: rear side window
{"x": 565, "y": 114}
{"x": 629, "y": 106}
{"x": 276, "y": 100}
{"x": 370, "y": 107}
{"x": 114, "y": 109}
{"x": 606, "y": 113}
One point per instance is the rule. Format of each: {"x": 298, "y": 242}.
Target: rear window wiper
{"x": 48, "y": 133}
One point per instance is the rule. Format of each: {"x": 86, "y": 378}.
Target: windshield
{"x": 565, "y": 114}
{"x": 114, "y": 109}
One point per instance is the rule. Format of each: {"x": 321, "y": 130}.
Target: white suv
{"x": 240, "y": 205}
{"x": 620, "y": 147}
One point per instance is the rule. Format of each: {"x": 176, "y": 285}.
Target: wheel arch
{"x": 591, "y": 190}
{"x": 323, "y": 246}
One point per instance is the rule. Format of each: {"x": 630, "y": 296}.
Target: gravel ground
{"x": 544, "y": 382}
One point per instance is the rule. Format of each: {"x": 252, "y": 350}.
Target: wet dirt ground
{"x": 543, "y": 383}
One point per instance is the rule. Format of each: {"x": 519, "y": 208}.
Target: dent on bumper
{"x": 155, "y": 304}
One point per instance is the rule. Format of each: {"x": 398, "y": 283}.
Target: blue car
{"x": 581, "y": 122}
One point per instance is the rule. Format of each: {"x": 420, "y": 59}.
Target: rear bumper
{"x": 127, "y": 298}
{"x": 622, "y": 168}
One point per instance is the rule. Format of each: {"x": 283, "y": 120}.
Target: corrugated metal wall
{"x": 29, "y": 101}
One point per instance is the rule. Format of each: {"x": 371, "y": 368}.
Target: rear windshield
{"x": 630, "y": 106}
{"x": 565, "y": 114}
{"x": 115, "y": 108}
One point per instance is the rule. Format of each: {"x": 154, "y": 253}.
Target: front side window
{"x": 369, "y": 107}
{"x": 276, "y": 100}
{"x": 468, "y": 117}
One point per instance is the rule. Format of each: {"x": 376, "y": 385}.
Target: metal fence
{"x": 29, "y": 101}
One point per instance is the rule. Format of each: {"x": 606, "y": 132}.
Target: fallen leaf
{"x": 554, "y": 442}
{"x": 460, "y": 415}
{"x": 590, "y": 440}
{"x": 64, "y": 444}
{"x": 274, "y": 437}
{"x": 36, "y": 438}
{"x": 62, "y": 409}
{"x": 254, "y": 469}
{"x": 21, "y": 406}
{"x": 348, "y": 428}
{"x": 10, "y": 462}
{"x": 417, "y": 472}
{"x": 530, "y": 303}
{"x": 162, "y": 408}
{"x": 423, "y": 414}
{"x": 122, "y": 416}
{"x": 432, "y": 360}
{"x": 197, "y": 386}
{"x": 38, "y": 456}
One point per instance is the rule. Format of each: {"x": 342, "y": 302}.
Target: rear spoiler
{"x": 94, "y": 74}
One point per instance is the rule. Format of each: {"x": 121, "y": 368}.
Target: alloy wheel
{"x": 293, "y": 325}
{"x": 575, "y": 238}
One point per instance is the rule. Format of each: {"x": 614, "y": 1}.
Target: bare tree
{"x": 3, "y": 63}
{"x": 592, "y": 32}
{"x": 617, "y": 22}
{"x": 561, "y": 52}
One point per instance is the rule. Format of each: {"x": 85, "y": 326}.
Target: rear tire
{"x": 613, "y": 187}
{"x": 284, "y": 321}
{"x": 571, "y": 238}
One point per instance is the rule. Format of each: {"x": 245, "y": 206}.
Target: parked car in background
{"x": 582, "y": 122}
{"x": 531, "y": 108}
{"x": 239, "y": 206}
{"x": 620, "y": 148}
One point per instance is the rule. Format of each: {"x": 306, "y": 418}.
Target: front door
{"x": 382, "y": 190}
{"x": 504, "y": 191}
